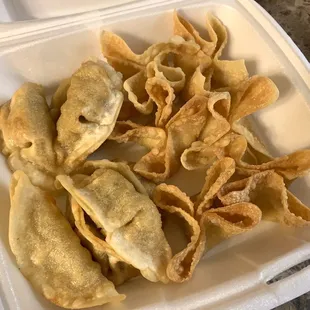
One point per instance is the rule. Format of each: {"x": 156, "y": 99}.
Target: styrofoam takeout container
{"x": 233, "y": 275}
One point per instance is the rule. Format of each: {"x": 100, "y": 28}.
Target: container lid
{"x": 20, "y": 10}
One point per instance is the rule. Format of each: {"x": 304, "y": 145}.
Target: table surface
{"x": 294, "y": 17}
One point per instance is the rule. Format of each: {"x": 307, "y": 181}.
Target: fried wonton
{"x": 252, "y": 95}
{"x": 48, "y": 252}
{"x": 166, "y": 146}
{"x": 117, "y": 202}
{"x": 28, "y": 132}
{"x": 226, "y": 72}
{"x": 267, "y": 190}
{"x": 94, "y": 99}
{"x": 201, "y": 155}
{"x": 207, "y": 230}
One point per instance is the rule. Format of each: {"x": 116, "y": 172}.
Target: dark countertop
{"x": 294, "y": 18}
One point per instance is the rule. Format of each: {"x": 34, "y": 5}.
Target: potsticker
{"x": 118, "y": 204}
{"x": 48, "y": 252}
{"x": 94, "y": 99}
{"x": 28, "y": 148}
{"x": 267, "y": 190}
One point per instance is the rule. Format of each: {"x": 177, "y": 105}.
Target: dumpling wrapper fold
{"x": 117, "y": 202}
{"x": 59, "y": 98}
{"x": 94, "y": 99}
{"x": 112, "y": 265}
{"x": 49, "y": 253}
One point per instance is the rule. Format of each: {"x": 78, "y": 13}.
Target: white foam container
{"x": 233, "y": 275}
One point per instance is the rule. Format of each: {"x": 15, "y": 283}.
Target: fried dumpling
{"x": 48, "y": 252}
{"x": 94, "y": 99}
{"x": 117, "y": 202}
{"x": 28, "y": 133}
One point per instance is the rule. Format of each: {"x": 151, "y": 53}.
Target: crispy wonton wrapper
{"x": 48, "y": 252}
{"x": 112, "y": 265}
{"x": 182, "y": 130}
{"x": 216, "y": 124}
{"x": 170, "y": 199}
{"x": 186, "y": 30}
{"x": 28, "y": 148}
{"x": 163, "y": 159}
{"x": 201, "y": 155}
{"x": 117, "y": 202}
{"x": 217, "y": 175}
{"x": 226, "y": 72}
{"x": 225, "y": 222}
{"x": 254, "y": 94}
{"x": 214, "y": 226}
{"x": 162, "y": 94}
{"x": 199, "y": 83}
{"x": 174, "y": 76}
{"x": 87, "y": 118}
{"x": 137, "y": 94}
{"x": 289, "y": 166}
{"x": 267, "y": 190}
{"x": 124, "y": 60}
